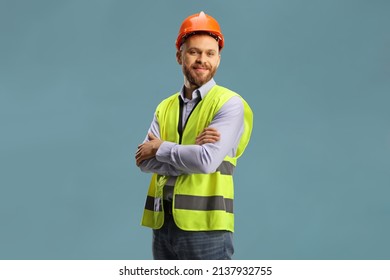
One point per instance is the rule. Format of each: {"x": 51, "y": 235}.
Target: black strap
{"x": 180, "y": 127}
{"x": 180, "y": 124}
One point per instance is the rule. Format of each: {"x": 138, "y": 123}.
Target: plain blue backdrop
{"x": 79, "y": 82}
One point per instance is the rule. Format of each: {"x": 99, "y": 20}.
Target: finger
{"x": 138, "y": 151}
{"x": 205, "y": 140}
{"x": 137, "y": 156}
{"x": 206, "y": 136}
{"x": 210, "y": 132}
{"x": 210, "y": 129}
{"x": 139, "y": 159}
{"x": 210, "y": 140}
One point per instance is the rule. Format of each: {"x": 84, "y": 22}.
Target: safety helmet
{"x": 199, "y": 23}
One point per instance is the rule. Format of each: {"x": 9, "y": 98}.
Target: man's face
{"x": 199, "y": 57}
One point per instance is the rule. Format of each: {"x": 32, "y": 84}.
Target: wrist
{"x": 156, "y": 146}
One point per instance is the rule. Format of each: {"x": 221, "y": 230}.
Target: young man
{"x": 192, "y": 148}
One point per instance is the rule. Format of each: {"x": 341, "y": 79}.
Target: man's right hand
{"x": 208, "y": 135}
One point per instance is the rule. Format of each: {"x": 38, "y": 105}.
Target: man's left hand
{"x": 148, "y": 149}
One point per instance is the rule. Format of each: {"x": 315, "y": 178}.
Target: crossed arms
{"x": 211, "y": 146}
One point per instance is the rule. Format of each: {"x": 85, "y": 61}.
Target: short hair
{"x": 188, "y": 35}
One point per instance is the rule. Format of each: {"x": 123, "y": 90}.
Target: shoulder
{"x": 232, "y": 106}
{"x": 232, "y": 100}
{"x": 227, "y": 96}
{"x": 222, "y": 92}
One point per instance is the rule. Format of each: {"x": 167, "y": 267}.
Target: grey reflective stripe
{"x": 226, "y": 168}
{"x": 206, "y": 203}
{"x": 153, "y": 204}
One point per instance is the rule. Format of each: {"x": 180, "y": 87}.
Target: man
{"x": 192, "y": 148}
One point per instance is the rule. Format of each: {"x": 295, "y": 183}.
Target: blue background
{"x": 79, "y": 82}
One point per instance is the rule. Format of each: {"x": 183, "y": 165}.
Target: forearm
{"x": 189, "y": 158}
{"x": 154, "y": 166}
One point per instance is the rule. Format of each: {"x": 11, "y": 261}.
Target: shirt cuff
{"x": 164, "y": 151}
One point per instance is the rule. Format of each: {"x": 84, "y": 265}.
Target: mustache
{"x": 200, "y": 65}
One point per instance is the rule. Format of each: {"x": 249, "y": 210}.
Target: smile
{"x": 200, "y": 69}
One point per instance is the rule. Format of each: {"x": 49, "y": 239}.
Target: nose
{"x": 200, "y": 58}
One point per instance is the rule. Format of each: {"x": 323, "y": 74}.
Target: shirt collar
{"x": 202, "y": 91}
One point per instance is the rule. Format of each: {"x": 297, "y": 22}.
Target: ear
{"x": 178, "y": 57}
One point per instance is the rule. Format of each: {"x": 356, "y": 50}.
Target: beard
{"x": 198, "y": 79}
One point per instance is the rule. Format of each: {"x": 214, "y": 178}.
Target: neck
{"x": 188, "y": 93}
{"x": 189, "y": 89}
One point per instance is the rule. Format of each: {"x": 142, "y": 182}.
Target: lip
{"x": 200, "y": 69}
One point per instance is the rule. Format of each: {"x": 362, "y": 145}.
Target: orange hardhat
{"x": 199, "y": 23}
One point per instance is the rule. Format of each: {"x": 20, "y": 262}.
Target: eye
{"x": 210, "y": 54}
{"x": 192, "y": 52}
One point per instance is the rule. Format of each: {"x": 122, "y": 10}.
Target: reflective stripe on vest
{"x": 191, "y": 202}
{"x": 153, "y": 203}
{"x": 226, "y": 168}
{"x": 204, "y": 203}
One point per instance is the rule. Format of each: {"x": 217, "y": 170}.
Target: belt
{"x": 167, "y": 204}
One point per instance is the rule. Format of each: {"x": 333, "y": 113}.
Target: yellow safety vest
{"x": 201, "y": 202}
